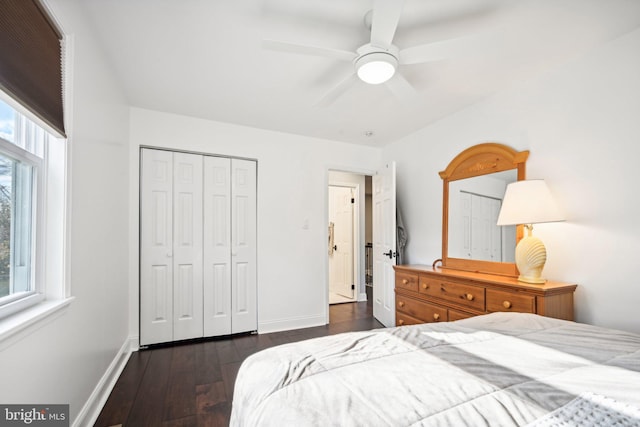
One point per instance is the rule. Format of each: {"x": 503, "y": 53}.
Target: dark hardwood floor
{"x": 191, "y": 384}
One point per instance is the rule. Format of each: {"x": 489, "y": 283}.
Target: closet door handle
{"x": 335, "y": 247}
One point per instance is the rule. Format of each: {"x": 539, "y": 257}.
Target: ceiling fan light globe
{"x": 376, "y": 68}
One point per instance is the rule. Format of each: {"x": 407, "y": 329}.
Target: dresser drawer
{"x": 509, "y": 301}
{"x": 407, "y": 281}
{"x": 403, "y": 320}
{"x": 420, "y": 309}
{"x": 458, "y": 315}
{"x": 466, "y": 295}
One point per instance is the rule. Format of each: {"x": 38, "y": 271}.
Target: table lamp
{"x": 529, "y": 202}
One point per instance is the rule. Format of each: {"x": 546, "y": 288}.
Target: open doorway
{"x": 349, "y": 232}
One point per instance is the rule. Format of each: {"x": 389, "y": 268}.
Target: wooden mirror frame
{"x": 481, "y": 159}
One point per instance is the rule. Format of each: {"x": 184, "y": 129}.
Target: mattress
{"x": 500, "y": 369}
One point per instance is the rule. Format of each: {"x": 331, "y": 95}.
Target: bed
{"x": 500, "y": 369}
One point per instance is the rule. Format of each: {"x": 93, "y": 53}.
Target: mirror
{"x": 474, "y": 205}
{"x": 473, "y": 187}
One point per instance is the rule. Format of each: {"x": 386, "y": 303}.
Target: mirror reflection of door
{"x": 474, "y": 205}
{"x": 341, "y": 283}
{"x": 481, "y": 236}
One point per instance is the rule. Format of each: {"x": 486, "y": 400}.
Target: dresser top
{"x": 495, "y": 279}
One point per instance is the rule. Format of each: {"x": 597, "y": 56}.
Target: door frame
{"x": 357, "y": 250}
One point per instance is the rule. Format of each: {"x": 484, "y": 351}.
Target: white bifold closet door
{"x": 197, "y": 246}
{"x": 171, "y": 247}
{"x": 229, "y": 246}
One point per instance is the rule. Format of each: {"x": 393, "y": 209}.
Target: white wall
{"x": 581, "y": 124}
{"x": 64, "y": 360}
{"x": 292, "y": 192}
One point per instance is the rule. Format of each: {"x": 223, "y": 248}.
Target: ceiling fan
{"x": 376, "y": 62}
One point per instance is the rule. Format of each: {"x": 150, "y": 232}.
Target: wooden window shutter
{"x": 31, "y": 59}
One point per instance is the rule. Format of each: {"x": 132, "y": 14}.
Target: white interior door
{"x": 486, "y": 237}
{"x": 384, "y": 244}
{"x": 243, "y": 246}
{"x": 187, "y": 246}
{"x": 217, "y": 246}
{"x": 341, "y": 257}
{"x": 156, "y": 247}
{"x": 170, "y": 246}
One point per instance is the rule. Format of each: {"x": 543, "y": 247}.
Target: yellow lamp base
{"x": 531, "y": 256}
{"x": 532, "y": 280}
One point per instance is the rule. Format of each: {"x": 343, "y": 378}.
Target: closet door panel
{"x": 465, "y": 233}
{"x": 243, "y": 246}
{"x": 187, "y": 246}
{"x": 156, "y": 247}
{"x": 495, "y": 230}
{"x": 217, "y": 246}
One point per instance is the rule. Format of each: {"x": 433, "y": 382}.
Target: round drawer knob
{"x": 405, "y": 281}
{"x": 436, "y": 316}
{"x": 401, "y": 303}
{"x": 425, "y": 286}
{"x": 506, "y": 304}
{"x": 469, "y": 297}
{"x": 400, "y": 322}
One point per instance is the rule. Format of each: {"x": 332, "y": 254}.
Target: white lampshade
{"x": 376, "y": 68}
{"x": 528, "y": 202}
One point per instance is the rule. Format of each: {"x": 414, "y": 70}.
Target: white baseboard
{"x": 291, "y": 323}
{"x": 91, "y": 409}
{"x": 362, "y": 296}
{"x": 134, "y": 343}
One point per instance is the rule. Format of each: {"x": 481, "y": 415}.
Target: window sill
{"x": 19, "y": 325}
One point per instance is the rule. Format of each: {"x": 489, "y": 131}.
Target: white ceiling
{"x": 205, "y": 58}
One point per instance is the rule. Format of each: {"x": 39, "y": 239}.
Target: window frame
{"x": 53, "y": 293}
{"x": 13, "y": 303}
{"x": 54, "y": 233}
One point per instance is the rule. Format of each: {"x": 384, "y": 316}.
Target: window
{"x": 23, "y": 147}
{"x": 33, "y": 166}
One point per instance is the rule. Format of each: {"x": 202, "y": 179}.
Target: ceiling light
{"x": 377, "y": 67}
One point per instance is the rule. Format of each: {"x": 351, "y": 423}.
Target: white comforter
{"x": 502, "y": 369}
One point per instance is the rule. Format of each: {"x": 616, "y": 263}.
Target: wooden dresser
{"x": 425, "y": 294}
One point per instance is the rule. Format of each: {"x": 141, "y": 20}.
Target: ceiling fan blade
{"x": 436, "y": 51}
{"x": 337, "y": 91}
{"x": 280, "y": 46}
{"x": 386, "y": 14}
{"x": 402, "y": 89}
